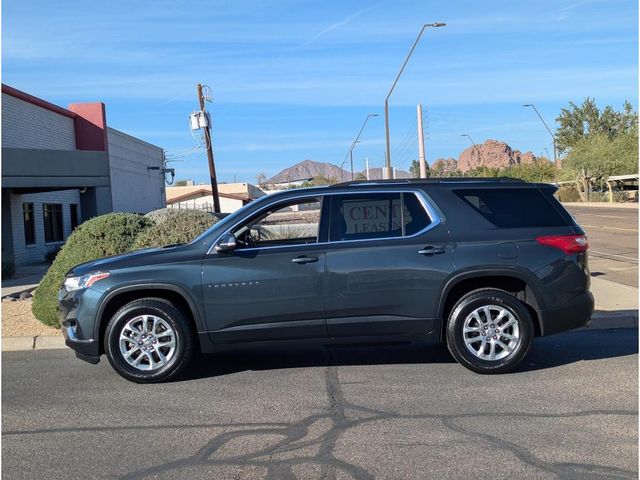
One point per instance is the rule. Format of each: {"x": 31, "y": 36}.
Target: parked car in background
{"x": 484, "y": 265}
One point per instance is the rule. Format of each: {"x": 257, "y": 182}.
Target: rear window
{"x": 513, "y": 207}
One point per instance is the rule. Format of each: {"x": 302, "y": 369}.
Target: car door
{"x": 271, "y": 286}
{"x": 389, "y": 255}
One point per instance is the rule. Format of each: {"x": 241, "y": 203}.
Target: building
{"x": 199, "y": 197}
{"x": 241, "y": 189}
{"x": 61, "y": 166}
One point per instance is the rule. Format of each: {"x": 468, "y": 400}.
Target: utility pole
{"x": 421, "y": 159}
{"x": 366, "y": 162}
{"x": 209, "y": 147}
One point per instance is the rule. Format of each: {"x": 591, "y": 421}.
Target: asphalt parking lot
{"x": 392, "y": 412}
{"x": 613, "y": 239}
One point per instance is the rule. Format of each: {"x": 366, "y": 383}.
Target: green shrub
{"x": 102, "y": 236}
{"x": 568, "y": 193}
{"x": 178, "y": 226}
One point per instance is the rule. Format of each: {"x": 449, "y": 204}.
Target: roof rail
{"x": 404, "y": 181}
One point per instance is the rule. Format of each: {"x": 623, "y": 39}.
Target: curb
{"x": 599, "y": 321}
{"x": 604, "y": 320}
{"x": 14, "y": 344}
{"x": 626, "y": 205}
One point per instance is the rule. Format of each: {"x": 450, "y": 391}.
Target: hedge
{"x": 102, "y": 236}
{"x": 173, "y": 226}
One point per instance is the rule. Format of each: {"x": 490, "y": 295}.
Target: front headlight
{"x": 83, "y": 281}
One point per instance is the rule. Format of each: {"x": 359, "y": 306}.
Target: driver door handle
{"x": 304, "y": 259}
{"x": 431, "y": 250}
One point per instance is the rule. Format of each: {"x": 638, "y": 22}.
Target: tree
{"x": 540, "y": 171}
{"x": 414, "y": 169}
{"x": 180, "y": 183}
{"x": 322, "y": 180}
{"x": 599, "y": 143}
{"x": 580, "y": 122}
{"x": 261, "y": 179}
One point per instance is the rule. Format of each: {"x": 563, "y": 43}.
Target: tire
{"x": 167, "y": 333}
{"x": 467, "y": 323}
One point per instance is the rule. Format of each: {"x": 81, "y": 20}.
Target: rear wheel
{"x": 489, "y": 331}
{"x": 149, "y": 340}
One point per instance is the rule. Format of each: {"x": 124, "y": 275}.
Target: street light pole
{"x": 353, "y": 144}
{"x": 555, "y": 151}
{"x": 387, "y": 168}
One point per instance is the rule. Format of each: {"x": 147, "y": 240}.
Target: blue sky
{"x": 293, "y": 80}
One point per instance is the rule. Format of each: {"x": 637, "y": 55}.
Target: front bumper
{"x": 77, "y": 319}
{"x": 573, "y": 314}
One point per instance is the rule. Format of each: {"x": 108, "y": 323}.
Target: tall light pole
{"x": 353, "y": 144}
{"x": 387, "y": 168}
{"x": 555, "y": 151}
{"x": 470, "y": 139}
{"x": 474, "y": 146}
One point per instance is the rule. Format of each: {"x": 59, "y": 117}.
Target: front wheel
{"x": 489, "y": 331}
{"x": 149, "y": 340}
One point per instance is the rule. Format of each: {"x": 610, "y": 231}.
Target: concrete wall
{"x": 25, "y": 125}
{"x": 135, "y": 188}
{"x": 25, "y": 254}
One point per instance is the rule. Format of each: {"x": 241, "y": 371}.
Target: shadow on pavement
{"x": 546, "y": 352}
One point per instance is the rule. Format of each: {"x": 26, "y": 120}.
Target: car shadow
{"x": 546, "y": 352}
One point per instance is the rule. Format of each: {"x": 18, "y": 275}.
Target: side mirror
{"x": 227, "y": 243}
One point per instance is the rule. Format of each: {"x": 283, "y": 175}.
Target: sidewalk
{"x": 26, "y": 279}
{"x": 616, "y": 304}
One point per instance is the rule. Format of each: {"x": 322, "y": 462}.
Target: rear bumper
{"x": 573, "y": 314}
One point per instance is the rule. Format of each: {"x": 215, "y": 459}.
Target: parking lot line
{"x": 611, "y": 228}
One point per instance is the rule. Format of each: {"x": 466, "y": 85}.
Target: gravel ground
{"x": 17, "y": 321}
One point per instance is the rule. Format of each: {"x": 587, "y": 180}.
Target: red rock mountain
{"x": 491, "y": 153}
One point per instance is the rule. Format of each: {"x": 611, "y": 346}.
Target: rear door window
{"x": 376, "y": 215}
{"x": 513, "y": 207}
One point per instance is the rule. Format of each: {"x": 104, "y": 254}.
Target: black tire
{"x": 174, "y": 317}
{"x": 468, "y": 304}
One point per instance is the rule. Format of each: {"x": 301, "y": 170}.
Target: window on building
{"x": 52, "y": 222}
{"x": 377, "y": 215}
{"x": 29, "y": 224}
{"x": 73, "y": 209}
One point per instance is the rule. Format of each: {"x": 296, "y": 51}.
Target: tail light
{"x": 567, "y": 243}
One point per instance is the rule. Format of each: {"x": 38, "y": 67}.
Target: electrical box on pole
{"x": 198, "y": 120}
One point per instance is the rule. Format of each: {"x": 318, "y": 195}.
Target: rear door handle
{"x": 304, "y": 259}
{"x": 431, "y": 250}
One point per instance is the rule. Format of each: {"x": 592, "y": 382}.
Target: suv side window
{"x": 513, "y": 207}
{"x": 285, "y": 224}
{"x": 376, "y": 215}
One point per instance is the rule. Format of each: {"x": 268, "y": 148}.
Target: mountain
{"x": 491, "y": 154}
{"x": 310, "y": 169}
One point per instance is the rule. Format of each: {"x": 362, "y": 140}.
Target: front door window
{"x": 286, "y": 224}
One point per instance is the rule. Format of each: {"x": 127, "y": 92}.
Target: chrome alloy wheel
{"x": 147, "y": 342}
{"x": 491, "y": 332}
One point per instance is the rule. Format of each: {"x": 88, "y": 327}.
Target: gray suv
{"x": 481, "y": 264}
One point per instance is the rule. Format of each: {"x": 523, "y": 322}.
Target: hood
{"x": 130, "y": 259}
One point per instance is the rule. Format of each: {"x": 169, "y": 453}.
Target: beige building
{"x": 199, "y": 197}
